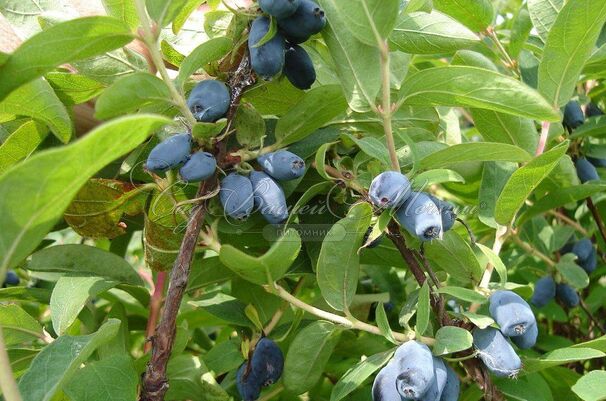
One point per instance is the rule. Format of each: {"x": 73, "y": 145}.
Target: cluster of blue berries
{"x": 516, "y": 321}
{"x": 574, "y": 118}
{"x": 240, "y": 194}
{"x": 297, "y": 20}
{"x": 263, "y": 369}
{"x": 546, "y": 289}
{"x": 421, "y": 214}
{"x": 11, "y": 279}
{"x": 415, "y": 374}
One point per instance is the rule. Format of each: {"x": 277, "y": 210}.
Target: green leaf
{"x": 308, "y": 195}
{"x": 435, "y": 176}
{"x": 496, "y": 261}
{"x": 308, "y": 354}
{"x": 163, "y": 11}
{"x": 474, "y": 151}
{"x": 560, "y": 198}
{"x": 267, "y": 268}
{"x": 207, "y": 52}
{"x": 38, "y": 100}
{"x": 477, "y": 14}
{"x": 454, "y": 255}
{"x": 225, "y": 307}
{"x": 561, "y": 356}
{"x": 357, "y": 374}
{"x": 69, "y": 297}
{"x": 450, "y": 339}
{"x": 494, "y": 178}
{"x": 316, "y": 108}
{"x": 65, "y": 355}
{"x": 357, "y": 64}
{"x": 18, "y": 326}
{"x": 383, "y": 323}
{"x": 62, "y": 43}
{"x": 249, "y": 125}
{"x": 594, "y": 127}
{"x": 431, "y": 33}
{"x": 33, "y": 202}
{"x": 464, "y": 294}
{"x": 320, "y": 160}
{"x": 23, "y": 14}
{"x": 423, "y": 309}
{"x": 74, "y": 88}
{"x": 504, "y": 128}
{"x": 592, "y": 386}
{"x": 524, "y": 181}
{"x": 373, "y": 148}
{"x": 339, "y": 262}
{"x": 572, "y": 273}
{"x": 130, "y": 93}
{"x": 364, "y": 17}
{"x": 93, "y": 381}
{"x": 569, "y": 44}
{"x": 190, "y": 380}
{"x": 475, "y": 87}
{"x": 84, "y": 260}
{"x": 479, "y": 320}
{"x": 21, "y": 143}
{"x": 543, "y": 14}
{"x": 123, "y": 10}
{"x": 184, "y": 14}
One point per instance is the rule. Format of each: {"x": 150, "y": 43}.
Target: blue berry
{"x": 567, "y": 295}
{"x": 528, "y": 339}
{"x": 282, "y": 165}
{"x": 452, "y": 388}
{"x": 592, "y": 110}
{"x": 420, "y": 216}
{"x": 414, "y": 364}
{"x": 573, "y": 115}
{"x": 279, "y": 8}
{"x": 267, "y": 361}
{"x": 266, "y": 60}
{"x": 169, "y": 153}
{"x": 434, "y": 393}
{"x": 236, "y": 196}
{"x": 496, "y": 353}
{"x": 269, "y": 198}
{"x": 309, "y": 19}
{"x": 585, "y": 170}
{"x": 511, "y": 312}
{"x": 248, "y": 384}
{"x": 11, "y": 279}
{"x": 389, "y": 190}
{"x": 544, "y": 291}
{"x": 384, "y": 386}
{"x": 298, "y": 67}
{"x": 597, "y": 162}
{"x": 446, "y": 211}
{"x": 209, "y": 100}
{"x": 199, "y": 167}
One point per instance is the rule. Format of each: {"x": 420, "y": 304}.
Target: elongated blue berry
{"x": 248, "y": 384}
{"x": 269, "y": 198}
{"x": 266, "y": 60}
{"x": 544, "y": 291}
{"x": 199, "y": 167}
{"x": 298, "y": 67}
{"x": 446, "y": 211}
{"x": 420, "y": 216}
{"x": 236, "y": 196}
{"x": 452, "y": 389}
{"x": 567, "y": 295}
{"x": 511, "y": 312}
{"x": 389, "y": 190}
{"x": 169, "y": 153}
{"x": 414, "y": 364}
{"x": 282, "y": 165}
{"x": 528, "y": 339}
{"x": 209, "y": 100}
{"x": 267, "y": 361}
{"x": 307, "y": 20}
{"x": 384, "y": 386}
{"x": 586, "y": 171}
{"x": 496, "y": 353}
{"x": 434, "y": 393}
{"x": 11, "y": 278}
{"x": 573, "y": 115}
{"x": 279, "y": 8}
{"x": 592, "y": 110}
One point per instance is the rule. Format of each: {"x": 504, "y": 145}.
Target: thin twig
{"x": 280, "y": 312}
{"x": 590, "y": 316}
{"x": 386, "y": 111}
{"x": 9, "y": 387}
{"x": 543, "y": 138}
{"x": 533, "y": 251}
{"x": 569, "y": 221}
{"x": 596, "y": 216}
{"x": 509, "y": 62}
{"x": 155, "y": 382}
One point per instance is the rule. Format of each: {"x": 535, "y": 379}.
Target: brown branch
{"x": 474, "y": 367}
{"x": 597, "y": 218}
{"x": 155, "y": 381}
